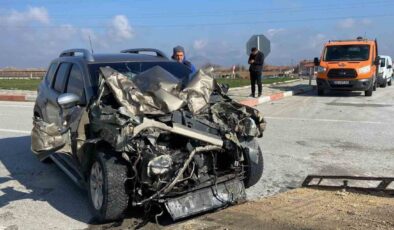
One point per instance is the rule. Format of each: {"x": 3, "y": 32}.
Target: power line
{"x": 224, "y": 12}
{"x": 221, "y": 14}
{"x": 212, "y": 24}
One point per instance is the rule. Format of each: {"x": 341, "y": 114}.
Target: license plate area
{"x": 206, "y": 199}
{"x": 341, "y": 82}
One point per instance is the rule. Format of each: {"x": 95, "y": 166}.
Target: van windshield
{"x": 347, "y": 53}
{"x": 382, "y": 62}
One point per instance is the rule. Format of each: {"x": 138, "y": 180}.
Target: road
{"x": 342, "y": 133}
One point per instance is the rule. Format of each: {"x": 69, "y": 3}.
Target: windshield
{"x": 131, "y": 69}
{"x": 347, "y": 53}
{"x": 382, "y": 62}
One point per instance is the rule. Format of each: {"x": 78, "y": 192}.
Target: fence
{"x": 22, "y": 74}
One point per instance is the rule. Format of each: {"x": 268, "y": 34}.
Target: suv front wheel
{"x": 107, "y": 191}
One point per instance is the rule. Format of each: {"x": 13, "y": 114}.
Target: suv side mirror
{"x": 67, "y": 100}
{"x": 316, "y": 61}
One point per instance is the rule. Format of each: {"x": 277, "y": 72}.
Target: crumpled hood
{"x": 156, "y": 91}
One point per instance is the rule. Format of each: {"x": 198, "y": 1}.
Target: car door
{"x": 47, "y": 136}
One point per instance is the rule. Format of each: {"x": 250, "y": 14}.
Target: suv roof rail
{"x": 159, "y": 53}
{"x": 87, "y": 55}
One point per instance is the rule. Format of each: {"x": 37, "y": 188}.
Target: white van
{"x": 385, "y": 71}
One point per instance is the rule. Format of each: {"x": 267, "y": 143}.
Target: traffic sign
{"x": 261, "y": 42}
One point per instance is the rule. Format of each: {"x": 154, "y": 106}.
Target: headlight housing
{"x": 365, "y": 69}
{"x": 321, "y": 69}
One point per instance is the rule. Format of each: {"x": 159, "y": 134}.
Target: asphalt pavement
{"x": 342, "y": 133}
{"x": 338, "y": 134}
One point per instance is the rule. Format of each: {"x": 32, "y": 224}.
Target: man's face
{"x": 179, "y": 56}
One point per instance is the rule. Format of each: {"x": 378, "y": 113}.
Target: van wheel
{"x": 375, "y": 86}
{"x": 320, "y": 92}
{"x": 107, "y": 192}
{"x": 368, "y": 92}
{"x": 389, "y": 83}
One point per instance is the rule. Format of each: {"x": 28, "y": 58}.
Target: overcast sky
{"x": 34, "y": 32}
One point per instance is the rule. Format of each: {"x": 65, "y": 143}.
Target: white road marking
{"x": 325, "y": 120}
{"x": 14, "y": 131}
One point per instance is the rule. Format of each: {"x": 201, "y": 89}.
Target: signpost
{"x": 261, "y": 42}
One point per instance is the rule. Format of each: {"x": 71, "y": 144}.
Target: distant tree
{"x": 296, "y": 69}
{"x": 240, "y": 67}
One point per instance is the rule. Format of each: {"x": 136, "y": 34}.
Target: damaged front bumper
{"x": 206, "y": 199}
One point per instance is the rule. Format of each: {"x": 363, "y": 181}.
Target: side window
{"x": 75, "y": 83}
{"x": 50, "y": 73}
{"x": 61, "y": 76}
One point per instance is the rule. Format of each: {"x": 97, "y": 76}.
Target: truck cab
{"x": 349, "y": 65}
{"x": 385, "y": 71}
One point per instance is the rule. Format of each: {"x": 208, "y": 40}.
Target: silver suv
{"x": 139, "y": 130}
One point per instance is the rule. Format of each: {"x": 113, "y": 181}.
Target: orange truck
{"x": 350, "y": 65}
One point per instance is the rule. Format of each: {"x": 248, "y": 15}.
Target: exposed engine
{"x": 184, "y": 141}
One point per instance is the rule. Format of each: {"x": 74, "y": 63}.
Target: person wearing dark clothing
{"x": 178, "y": 55}
{"x": 256, "y": 61}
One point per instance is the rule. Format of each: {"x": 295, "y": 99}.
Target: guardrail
{"x": 382, "y": 184}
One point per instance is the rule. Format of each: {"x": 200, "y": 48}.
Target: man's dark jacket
{"x": 258, "y": 58}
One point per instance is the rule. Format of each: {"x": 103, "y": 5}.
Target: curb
{"x": 265, "y": 85}
{"x": 14, "y": 97}
{"x": 274, "y": 97}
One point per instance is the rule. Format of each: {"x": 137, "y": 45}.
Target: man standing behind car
{"x": 256, "y": 61}
{"x": 178, "y": 55}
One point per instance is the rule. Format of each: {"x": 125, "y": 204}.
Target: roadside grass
{"x": 19, "y": 84}
{"x": 245, "y": 82}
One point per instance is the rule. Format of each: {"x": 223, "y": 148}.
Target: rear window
{"x": 61, "y": 77}
{"x": 131, "y": 69}
{"x": 347, "y": 53}
{"x": 50, "y": 73}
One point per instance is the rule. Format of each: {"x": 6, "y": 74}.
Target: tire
{"x": 389, "y": 83}
{"x": 368, "y": 92}
{"x": 114, "y": 199}
{"x": 384, "y": 84}
{"x": 320, "y": 92}
{"x": 375, "y": 86}
{"x": 253, "y": 170}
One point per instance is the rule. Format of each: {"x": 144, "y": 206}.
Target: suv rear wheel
{"x": 107, "y": 191}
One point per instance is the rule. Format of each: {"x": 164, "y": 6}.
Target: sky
{"x": 33, "y": 32}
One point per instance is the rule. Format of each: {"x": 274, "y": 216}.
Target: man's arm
{"x": 251, "y": 59}
{"x": 259, "y": 59}
{"x": 193, "y": 68}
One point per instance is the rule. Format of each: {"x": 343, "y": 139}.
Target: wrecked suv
{"x": 139, "y": 130}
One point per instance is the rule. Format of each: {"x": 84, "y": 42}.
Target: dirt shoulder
{"x": 303, "y": 209}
